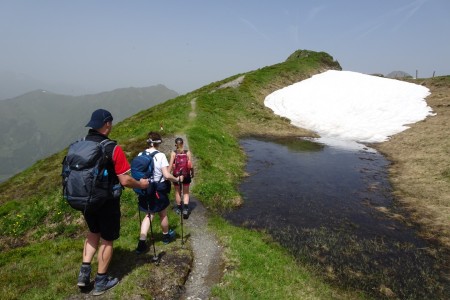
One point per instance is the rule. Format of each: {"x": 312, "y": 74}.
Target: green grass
{"x": 48, "y": 269}
{"x": 258, "y": 268}
{"x": 40, "y": 271}
{"x": 42, "y": 238}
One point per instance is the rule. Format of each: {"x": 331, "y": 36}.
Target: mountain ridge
{"x": 40, "y": 122}
{"x": 39, "y": 230}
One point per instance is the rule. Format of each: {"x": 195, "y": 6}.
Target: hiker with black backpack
{"x": 95, "y": 171}
{"x": 155, "y": 199}
{"x": 181, "y": 163}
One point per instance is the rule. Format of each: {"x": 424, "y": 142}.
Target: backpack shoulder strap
{"x": 152, "y": 156}
{"x": 177, "y": 153}
{"x": 107, "y": 142}
{"x": 149, "y": 154}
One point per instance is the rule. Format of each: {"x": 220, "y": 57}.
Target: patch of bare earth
{"x": 420, "y": 165}
{"x": 206, "y": 267}
{"x": 163, "y": 280}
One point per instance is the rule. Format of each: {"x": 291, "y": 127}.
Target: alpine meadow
{"x": 42, "y": 236}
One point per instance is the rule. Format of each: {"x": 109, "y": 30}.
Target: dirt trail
{"x": 206, "y": 270}
{"x": 207, "y": 265}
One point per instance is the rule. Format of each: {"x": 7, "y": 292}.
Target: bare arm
{"x": 168, "y": 176}
{"x": 192, "y": 165}
{"x": 172, "y": 159}
{"x": 128, "y": 181}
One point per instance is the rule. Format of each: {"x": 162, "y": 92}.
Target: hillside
{"x": 34, "y": 216}
{"x": 40, "y": 231}
{"x": 41, "y": 123}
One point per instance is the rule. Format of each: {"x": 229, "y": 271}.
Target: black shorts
{"x": 106, "y": 220}
{"x": 154, "y": 204}
{"x": 186, "y": 181}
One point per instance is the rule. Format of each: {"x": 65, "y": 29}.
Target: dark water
{"x": 328, "y": 206}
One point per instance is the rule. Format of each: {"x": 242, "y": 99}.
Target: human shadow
{"x": 125, "y": 261}
{"x": 192, "y": 204}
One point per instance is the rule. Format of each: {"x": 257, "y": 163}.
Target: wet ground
{"x": 334, "y": 210}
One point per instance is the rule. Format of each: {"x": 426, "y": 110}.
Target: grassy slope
{"x": 420, "y": 171}
{"x": 42, "y": 237}
{"x": 40, "y": 111}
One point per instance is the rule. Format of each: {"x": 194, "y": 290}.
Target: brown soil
{"x": 420, "y": 169}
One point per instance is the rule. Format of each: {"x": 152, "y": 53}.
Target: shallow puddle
{"x": 333, "y": 209}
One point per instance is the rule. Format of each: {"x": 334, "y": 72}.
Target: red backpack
{"x": 180, "y": 164}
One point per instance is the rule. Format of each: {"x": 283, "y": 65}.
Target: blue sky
{"x": 103, "y": 45}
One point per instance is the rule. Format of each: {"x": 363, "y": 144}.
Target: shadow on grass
{"x": 161, "y": 276}
{"x": 125, "y": 261}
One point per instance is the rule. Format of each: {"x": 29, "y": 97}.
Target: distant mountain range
{"x": 40, "y": 123}
{"x": 13, "y": 84}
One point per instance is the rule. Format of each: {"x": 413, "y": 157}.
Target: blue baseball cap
{"x": 99, "y": 118}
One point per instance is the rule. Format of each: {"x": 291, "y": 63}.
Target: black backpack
{"x": 85, "y": 180}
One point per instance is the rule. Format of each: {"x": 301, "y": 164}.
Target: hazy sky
{"x": 103, "y": 45}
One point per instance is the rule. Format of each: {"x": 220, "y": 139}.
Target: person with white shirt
{"x": 160, "y": 201}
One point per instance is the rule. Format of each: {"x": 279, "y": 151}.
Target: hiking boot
{"x": 84, "y": 277}
{"x": 103, "y": 283}
{"x": 142, "y": 247}
{"x": 167, "y": 238}
{"x": 177, "y": 210}
{"x": 186, "y": 213}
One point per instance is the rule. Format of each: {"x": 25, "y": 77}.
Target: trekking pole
{"x": 180, "y": 186}
{"x": 140, "y": 220}
{"x": 155, "y": 257}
